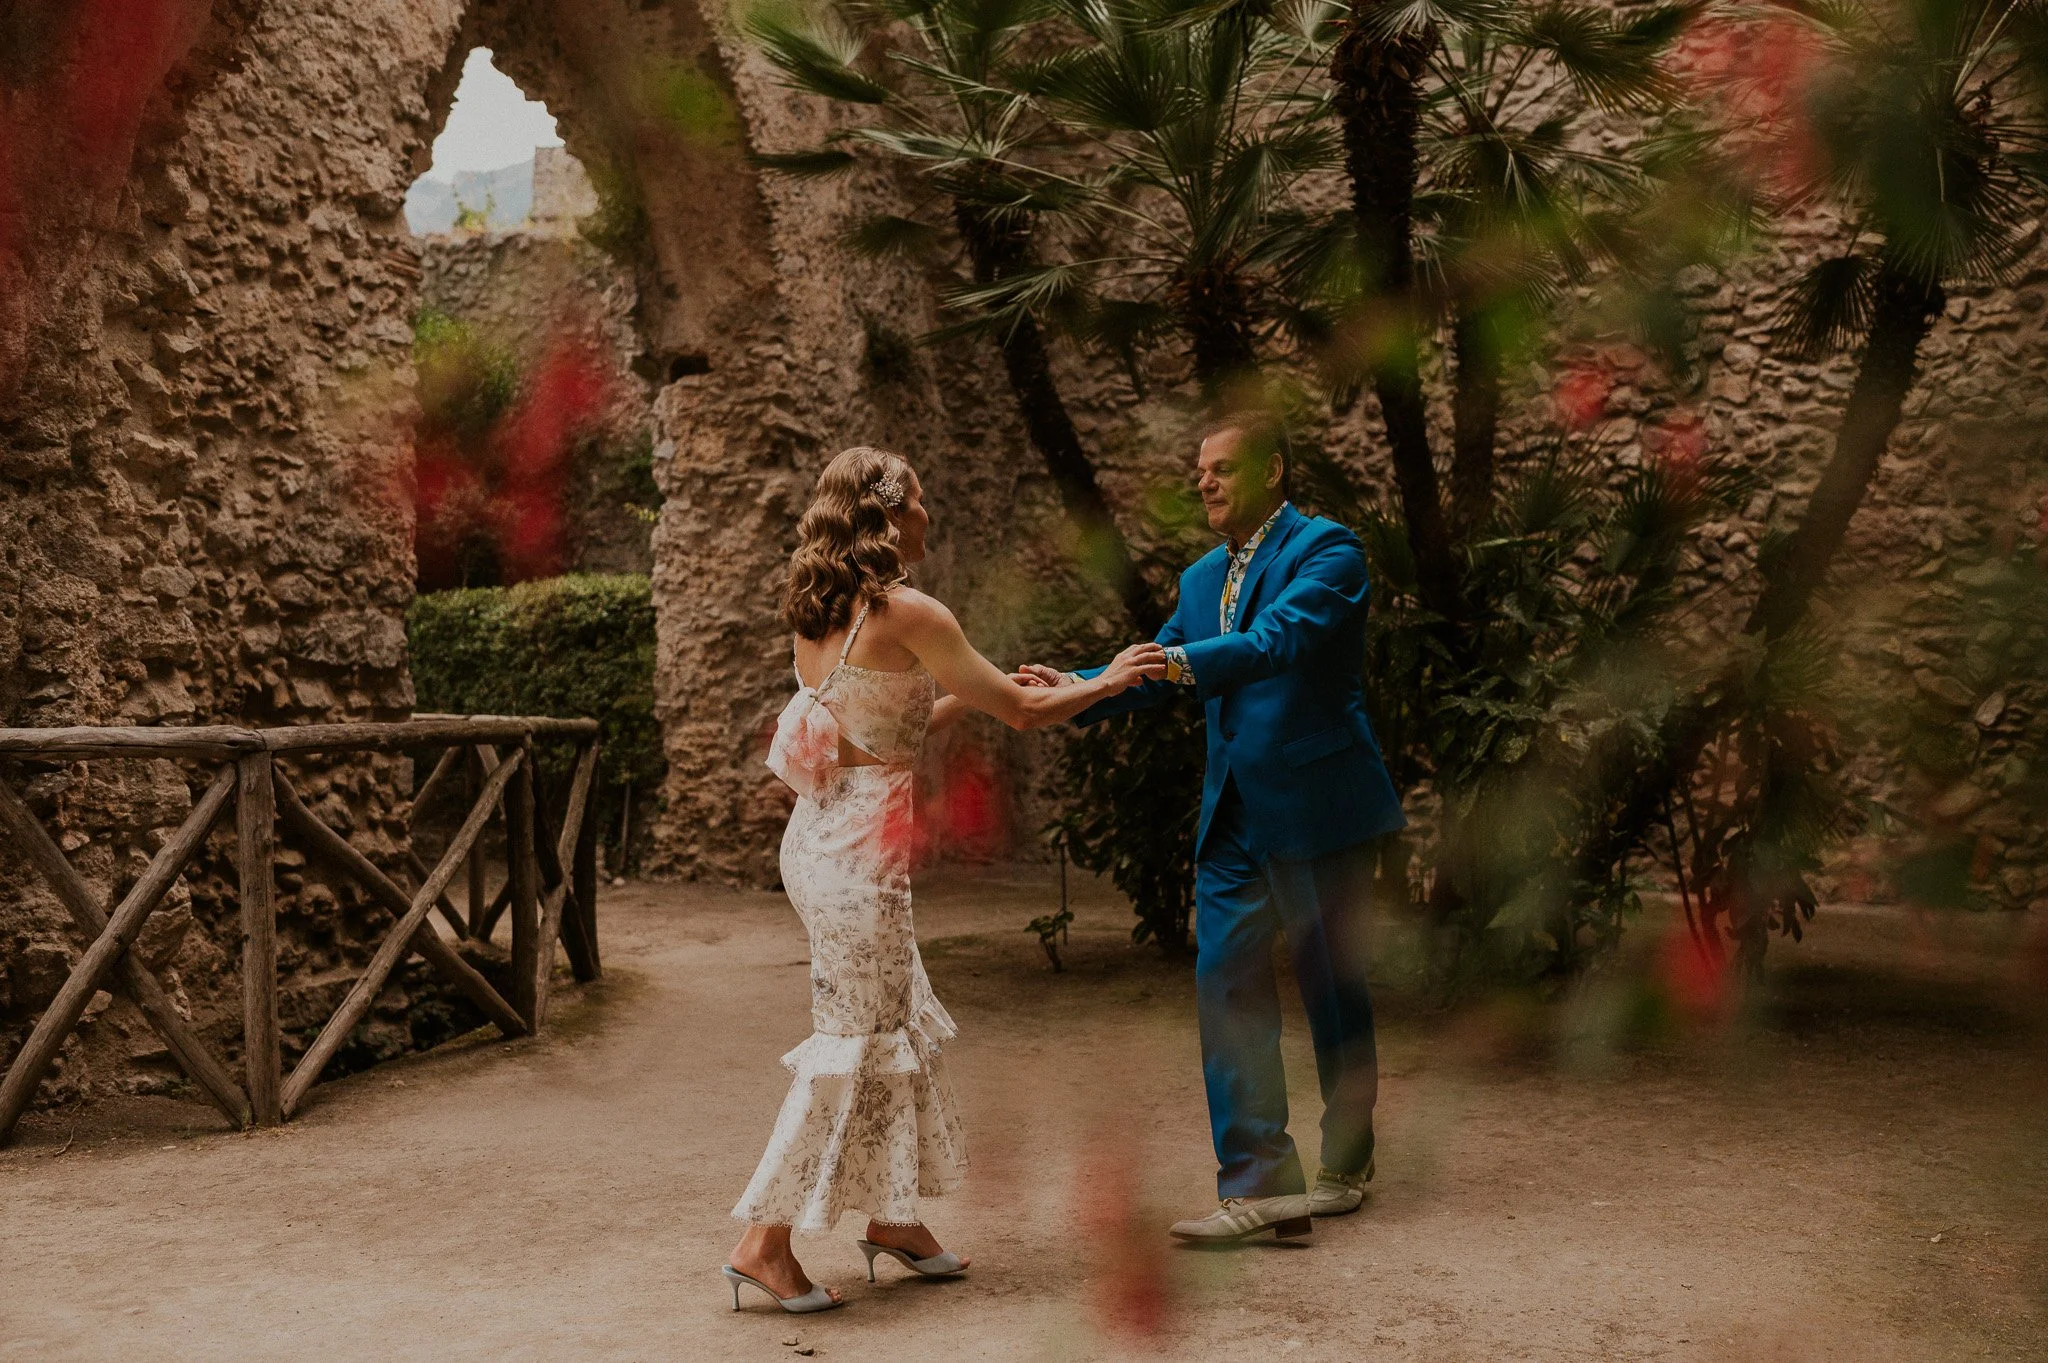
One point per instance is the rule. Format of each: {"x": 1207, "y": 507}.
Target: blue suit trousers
{"x": 1242, "y": 899}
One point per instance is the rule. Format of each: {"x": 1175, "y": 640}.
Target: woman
{"x": 869, "y": 1123}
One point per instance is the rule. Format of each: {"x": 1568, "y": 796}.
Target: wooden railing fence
{"x": 549, "y": 892}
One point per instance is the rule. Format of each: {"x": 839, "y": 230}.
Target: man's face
{"x": 1237, "y": 491}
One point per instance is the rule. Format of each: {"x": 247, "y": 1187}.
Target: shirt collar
{"x": 1257, "y": 537}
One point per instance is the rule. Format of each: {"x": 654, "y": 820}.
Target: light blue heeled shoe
{"x": 817, "y": 1299}
{"x": 942, "y": 1265}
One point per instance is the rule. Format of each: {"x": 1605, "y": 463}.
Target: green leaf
{"x": 817, "y": 58}
{"x": 889, "y": 235}
{"x": 1829, "y": 306}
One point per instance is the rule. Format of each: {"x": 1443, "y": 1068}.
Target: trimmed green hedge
{"x": 575, "y": 646}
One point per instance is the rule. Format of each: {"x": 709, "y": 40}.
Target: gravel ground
{"x": 1851, "y": 1167}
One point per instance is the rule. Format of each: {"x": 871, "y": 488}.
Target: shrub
{"x": 1133, "y": 796}
{"x": 576, "y": 646}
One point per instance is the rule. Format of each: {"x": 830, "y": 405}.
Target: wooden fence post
{"x": 523, "y": 869}
{"x": 262, "y": 1056}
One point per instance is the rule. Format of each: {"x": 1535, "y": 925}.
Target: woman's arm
{"x": 947, "y": 713}
{"x": 928, "y": 629}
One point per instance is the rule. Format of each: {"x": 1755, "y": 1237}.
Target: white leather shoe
{"x": 1238, "y": 1217}
{"x": 1335, "y": 1193}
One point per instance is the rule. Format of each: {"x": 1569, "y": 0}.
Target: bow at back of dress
{"x": 883, "y": 714}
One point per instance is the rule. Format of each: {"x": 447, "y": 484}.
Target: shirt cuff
{"x": 1178, "y": 671}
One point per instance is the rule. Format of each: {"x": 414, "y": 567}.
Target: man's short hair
{"x": 1261, "y": 436}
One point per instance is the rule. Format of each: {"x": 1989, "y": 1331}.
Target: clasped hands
{"x": 1138, "y": 663}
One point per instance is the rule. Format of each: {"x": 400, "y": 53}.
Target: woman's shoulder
{"x": 906, "y": 609}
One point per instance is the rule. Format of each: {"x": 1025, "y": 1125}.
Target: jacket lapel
{"x": 1208, "y": 593}
{"x": 1283, "y": 530}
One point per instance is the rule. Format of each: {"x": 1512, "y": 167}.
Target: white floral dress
{"x": 869, "y": 1123}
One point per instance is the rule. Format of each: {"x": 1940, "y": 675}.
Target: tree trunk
{"x": 1215, "y": 311}
{"x": 1379, "y": 99}
{"x": 1475, "y": 420}
{"x": 1905, "y": 310}
{"x": 994, "y": 249}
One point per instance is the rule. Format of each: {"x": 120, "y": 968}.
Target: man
{"x": 1270, "y": 634}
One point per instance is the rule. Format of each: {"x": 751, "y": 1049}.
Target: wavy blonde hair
{"x": 846, "y": 540}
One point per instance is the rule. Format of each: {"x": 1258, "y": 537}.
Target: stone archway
{"x": 204, "y": 450}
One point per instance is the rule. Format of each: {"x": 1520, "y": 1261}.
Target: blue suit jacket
{"x": 1283, "y": 691}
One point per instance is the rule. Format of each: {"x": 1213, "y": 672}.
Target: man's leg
{"x": 1322, "y": 906}
{"x": 1239, "y": 1006}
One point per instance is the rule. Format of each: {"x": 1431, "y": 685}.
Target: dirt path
{"x": 1774, "y": 1193}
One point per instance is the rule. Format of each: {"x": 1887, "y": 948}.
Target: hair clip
{"x": 889, "y": 492}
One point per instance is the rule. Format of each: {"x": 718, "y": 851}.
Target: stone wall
{"x": 204, "y": 451}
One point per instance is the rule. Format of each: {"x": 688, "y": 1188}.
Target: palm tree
{"x": 946, "y": 114}
{"x": 1475, "y": 195}
{"x": 1191, "y": 128}
{"x": 1919, "y": 125}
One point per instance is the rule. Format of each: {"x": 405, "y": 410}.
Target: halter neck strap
{"x": 854, "y": 633}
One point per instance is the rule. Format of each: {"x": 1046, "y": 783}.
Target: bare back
{"x": 872, "y": 650}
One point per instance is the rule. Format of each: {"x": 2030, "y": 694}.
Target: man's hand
{"x": 1038, "y": 674}
{"x": 1138, "y": 663}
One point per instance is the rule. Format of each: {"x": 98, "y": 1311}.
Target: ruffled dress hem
{"x": 881, "y": 1104}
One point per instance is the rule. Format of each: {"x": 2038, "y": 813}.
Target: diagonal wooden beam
{"x": 397, "y": 943}
{"x": 324, "y": 841}
{"x": 494, "y": 911}
{"x": 552, "y": 853}
{"x": 579, "y": 920}
{"x": 443, "y": 772}
{"x": 483, "y": 915}
{"x": 441, "y": 901}
{"x": 47, "y": 1037}
{"x": 134, "y": 978}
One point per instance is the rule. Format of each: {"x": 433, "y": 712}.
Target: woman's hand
{"x": 1038, "y": 674}
{"x": 1138, "y": 663}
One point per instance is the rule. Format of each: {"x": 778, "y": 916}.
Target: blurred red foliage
{"x": 1131, "y": 1296}
{"x": 1580, "y": 395}
{"x": 1696, "y": 979}
{"x": 1759, "y": 73}
{"x": 491, "y": 503}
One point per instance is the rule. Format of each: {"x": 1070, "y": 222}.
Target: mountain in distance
{"x": 507, "y": 194}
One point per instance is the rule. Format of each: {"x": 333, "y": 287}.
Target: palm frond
{"x": 1122, "y": 326}
{"x": 1614, "y": 65}
{"x": 1829, "y": 306}
{"x": 816, "y": 57}
{"x": 1390, "y": 18}
{"x": 1046, "y": 287}
{"x": 919, "y": 146}
{"x": 887, "y": 234}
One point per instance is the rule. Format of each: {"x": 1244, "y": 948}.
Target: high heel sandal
{"x": 817, "y": 1299}
{"x": 942, "y": 1265}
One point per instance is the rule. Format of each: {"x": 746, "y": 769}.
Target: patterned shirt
{"x": 1177, "y": 669}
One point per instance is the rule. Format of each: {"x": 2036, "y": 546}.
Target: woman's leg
{"x": 915, "y": 1240}
{"x": 764, "y": 1254}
